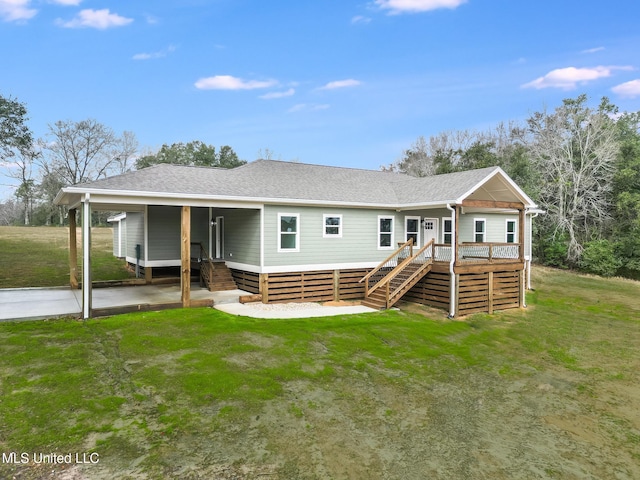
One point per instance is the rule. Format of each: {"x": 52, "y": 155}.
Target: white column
{"x": 86, "y": 257}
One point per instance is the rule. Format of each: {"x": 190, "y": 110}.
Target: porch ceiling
{"x": 497, "y": 189}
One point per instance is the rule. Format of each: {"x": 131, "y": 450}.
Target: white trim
{"x": 261, "y": 236}
{"x": 444, "y": 231}
{"x": 300, "y": 268}
{"x": 498, "y": 171}
{"x": 392, "y": 218}
{"x": 515, "y": 230}
{"x": 324, "y": 225}
{"x": 119, "y": 239}
{"x": 296, "y": 233}
{"x": 484, "y": 230}
{"x": 145, "y": 221}
{"x": 418, "y": 232}
{"x": 154, "y": 263}
{"x": 117, "y": 218}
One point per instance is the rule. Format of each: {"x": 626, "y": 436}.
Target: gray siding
{"x": 241, "y": 235}
{"x": 358, "y": 244}
{"x": 116, "y": 243}
{"x": 123, "y": 227}
{"x": 496, "y": 226}
{"x": 135, "y": 234}
{"x": 164, "y": 231}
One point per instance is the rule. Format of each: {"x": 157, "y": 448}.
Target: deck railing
{"x": 480, "y": 252}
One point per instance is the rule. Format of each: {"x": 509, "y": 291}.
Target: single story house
{"x": 297, "y": 232}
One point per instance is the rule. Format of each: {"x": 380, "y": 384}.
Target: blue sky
{"x": 336, "y": 82}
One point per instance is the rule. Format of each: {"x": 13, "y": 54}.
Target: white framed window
{"x": 479, "y": 230}
{"x": 511, "y": 231}
{"x": 332, "y": 226}
{"x": 288, "y": 232}
{"x": 447, "y": 230}
{"x": 412, "y": 230}
{"x": 385, "y": 232}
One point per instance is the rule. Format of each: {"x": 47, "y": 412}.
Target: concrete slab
{"x": 38, "y": 303}
{"x": 34, "y": 303}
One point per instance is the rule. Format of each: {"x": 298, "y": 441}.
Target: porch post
{"x": 73, "y": 250}
{"x": 521, "y": 234}
{"x": 86, "y": 257}
{"x": 185, "y": 255}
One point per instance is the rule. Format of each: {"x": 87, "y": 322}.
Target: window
{"x": 385, "y": 232}
{"x": 479, "y": 229}
{"x": 447, "y": 231}
{"x": 288, "y": 229}
{"x": 332, "y": 226}
{"x": 511, "y": 231}
{"x": 412, "y": 229}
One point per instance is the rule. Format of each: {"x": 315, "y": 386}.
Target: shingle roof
{"x": 274, "y": 180}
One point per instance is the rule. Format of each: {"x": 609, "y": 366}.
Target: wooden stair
{"x": 400, "y": 279}
{"x": 221, "y": 278}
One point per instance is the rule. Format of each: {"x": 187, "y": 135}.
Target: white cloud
{"x": 593, "y": 50}
{"x": 341, "y": 84}
{"x": 100, "y": 19}
{"x": 628, "y": 89}
{"x": 227, "y": 82}
{"x": 415, "y": 6}
{"x": 313, "y": 107}
{"x": 359, "y": 19}
{"x": 272, "y": 95}
{"x": 154, "y": 55}
{"x": 568, "y": 78}
{"x": 71, "y": 3}
{"x": 16, "y": 10}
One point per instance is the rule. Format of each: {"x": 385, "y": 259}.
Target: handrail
{"x": 206, "y": 273}
{"x": 389, "y": 258}
{"x": 393, "y": 273}
{"x": 424, "y": 263}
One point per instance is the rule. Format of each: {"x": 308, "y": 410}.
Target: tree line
{"x": 580, "y": 164}
{"x": 74, "y": 152}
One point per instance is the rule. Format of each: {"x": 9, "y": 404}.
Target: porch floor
{"x": 44, "y": 303}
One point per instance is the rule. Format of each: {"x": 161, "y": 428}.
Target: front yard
{"x": 548, "y": 392}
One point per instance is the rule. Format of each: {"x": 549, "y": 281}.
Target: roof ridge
{"x": 368, "y": 170}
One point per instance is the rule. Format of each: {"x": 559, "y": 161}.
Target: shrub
{"x": 599, "y": 257}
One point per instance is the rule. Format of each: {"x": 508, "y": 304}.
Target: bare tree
{"x": 126, "y": 151}
{"x": 574, "y": 149}
{"x": 27, "y": 189}
{"x": 81, "y": 151}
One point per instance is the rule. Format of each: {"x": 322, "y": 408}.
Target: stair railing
{"x": 206, "y": 265}
{"x": 423, "y": 259}
{"x": 388, "y": 265}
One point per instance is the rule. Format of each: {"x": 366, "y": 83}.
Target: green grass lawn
{"x": 548, "y": 392}
{"x": 39, "y": 256}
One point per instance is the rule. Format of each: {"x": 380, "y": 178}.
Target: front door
{"x": 430, "y": 229}
{"x": 219, "y": 237}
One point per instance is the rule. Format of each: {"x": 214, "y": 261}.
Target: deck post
{"x": 73, "y": 250}
{"x": 336, "y": 285}
{"x": 490, "y": 293}
{"x": 148, "y": 275}
{"x": 264, "y": 287}
{"x": 185, "y": 256}
{"x": 86, "y": 257}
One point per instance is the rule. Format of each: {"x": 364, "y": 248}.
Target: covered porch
{"x": 192, "y": 243}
